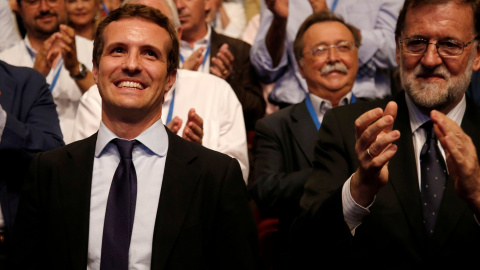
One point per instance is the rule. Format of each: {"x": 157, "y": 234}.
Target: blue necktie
{"x": 120, "y": 212}
{"x": 434, "y": 175}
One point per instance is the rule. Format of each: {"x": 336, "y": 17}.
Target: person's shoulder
{"x": 200, "y": 80}
{"x": 11, "y": 50}
{"x": 282, "y": 114}
{"x": 81, "y": 40}
{"x": 360, "y": 106}
{"x": 233, "y": 42}
{"x": 180, "y": 146}
{"x": 22, "y": 75}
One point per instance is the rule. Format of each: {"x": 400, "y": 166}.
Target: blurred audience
{"x": 84, "y": 16}
{"x": 272, "y": 52}
{"x": 109, "y": 5}
{"x": 227, "y": 17}
{"x": 252, "y": 8}
{"x": 52, "y": 48}
{"x": 28, "y": 124}
{"x": 10, "y": 34}
{"x": 205, "y": 50}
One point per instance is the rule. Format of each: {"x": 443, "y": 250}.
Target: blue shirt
{"x": 149, "y": 160}
{"x": 375, "y": 18}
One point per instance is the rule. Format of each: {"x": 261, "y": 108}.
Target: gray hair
{"x": 173, "y": 10}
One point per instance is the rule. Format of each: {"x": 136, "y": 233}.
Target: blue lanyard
{"x": 311, "y": 110}
{"x": 204, "y": 58}
{"x": 334, "y": 5}
{"x": 33, "y": 55}
{"x": 104, "y": 7}
{"x": 170, "y": 108}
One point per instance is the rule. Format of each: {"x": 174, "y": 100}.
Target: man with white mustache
{"x": 326, "y": 52}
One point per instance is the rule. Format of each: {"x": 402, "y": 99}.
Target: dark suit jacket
{"x": 392, "y": 236}
{"x": 203, "y": 221}
{"x": 283, "y": 160}
{"x": 32, "y": 125}
{"x": 242, "y": 79}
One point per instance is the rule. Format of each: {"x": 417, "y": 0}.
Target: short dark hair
{"x": 142, "y": 12}
{"x": 409, "y": 4}
{"x": 318, "y": 17}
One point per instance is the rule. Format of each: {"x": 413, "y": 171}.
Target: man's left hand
{"x": 461, "y": 156}
{"x": 69, "y": 49}
{"x": 193, "y": 130}
{"x": 222, "y": 62}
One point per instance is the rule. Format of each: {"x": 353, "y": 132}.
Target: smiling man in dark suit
{"x": 396, "y": 183}
{"x": 327, "y": 55}
{"x": 172, "y": 204}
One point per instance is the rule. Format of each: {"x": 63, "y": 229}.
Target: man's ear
{"x": 179, "y": 33}
{"x": 397, "y": 49}
{"x": 95, "y": 71}
{"x": 208, "y": 5}
{"x": 300, "y": 64}
{"x": 476, "y": 61}
{"x": 171, "y": 78}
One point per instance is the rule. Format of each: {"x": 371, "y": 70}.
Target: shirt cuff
{"x": 353, "y": 213}
{"x": 3, "y": 121}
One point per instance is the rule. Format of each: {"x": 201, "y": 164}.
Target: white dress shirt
{"x": 212, "y": 98}
{"x": 353, "y": 212}
{"x": 149, "y": 160}
{"x": 186, "y": 50}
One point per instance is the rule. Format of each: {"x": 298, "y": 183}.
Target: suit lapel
{"x": 452, "y": 207}
{"x": 75, "y": 186}
{"x": 403, "y": 171}
{"x": 179, "y": 183}
{"x": 303, "y": 130}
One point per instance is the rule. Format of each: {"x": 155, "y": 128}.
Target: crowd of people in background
{"x": 324, "y": 108}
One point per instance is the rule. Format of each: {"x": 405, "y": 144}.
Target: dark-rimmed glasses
{"x": 444, "y": 48}
{"x": 344, "y": 46}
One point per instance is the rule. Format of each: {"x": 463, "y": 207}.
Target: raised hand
{"x": 222, "y": 62}
{"x": 193, "y": 130}
{"x": 461, "y": 157}
{"x": 374, "y": 149}
{"x": 195, "y": 60}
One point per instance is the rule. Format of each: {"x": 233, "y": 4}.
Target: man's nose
{"x": 332, "y": 54}
{"x": 132, "y": 63}
{"x": 431, "y": 58}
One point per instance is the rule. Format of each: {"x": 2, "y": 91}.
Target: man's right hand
{"x": 194, "y": 61}
{"x": 374, "y": 148}
{"x": 279, "y": 8}
{"x": 47, "y": 54}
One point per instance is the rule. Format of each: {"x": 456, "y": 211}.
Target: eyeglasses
{"x": 444, "y": 48}
{"x": 36, "y": 3}
{"x": 344, "y": 46}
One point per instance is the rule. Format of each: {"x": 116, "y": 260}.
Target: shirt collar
{"x": 417, "y": 118}
{"x": 154, "y": 138}
{"x": 201, "y": 42}
{"x": 321, "y": 105}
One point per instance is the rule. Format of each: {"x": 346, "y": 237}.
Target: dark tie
{"x": 434, "y": 175}
{"x": 120, "y": 212}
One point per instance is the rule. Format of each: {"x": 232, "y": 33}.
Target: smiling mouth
{"x": 131, "y": 85}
